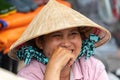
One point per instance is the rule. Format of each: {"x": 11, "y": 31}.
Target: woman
{"x": 58, "y": 45}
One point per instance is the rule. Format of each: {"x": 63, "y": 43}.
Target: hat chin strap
{"x": 88, "y": 46}
{"x": 27, "y": 53}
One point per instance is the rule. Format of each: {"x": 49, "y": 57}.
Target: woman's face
{"x": 69, "y": 39}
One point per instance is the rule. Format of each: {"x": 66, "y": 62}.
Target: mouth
{"x": 72, "y": 51}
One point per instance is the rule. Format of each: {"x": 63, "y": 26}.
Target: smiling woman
{"x": 59, "y": 45}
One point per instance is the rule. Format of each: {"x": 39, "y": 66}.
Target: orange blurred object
{"x": 18, "y": 19}
{"x": 65, "y": 3}
{"x": 9, "y": 36}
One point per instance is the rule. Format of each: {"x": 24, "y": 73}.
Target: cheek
{"x": 49, "y": 47}
{"x": 78, "y": 44}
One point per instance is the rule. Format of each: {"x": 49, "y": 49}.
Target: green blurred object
{"x": 6, "y": 8}
{"x": 3, "y": 11}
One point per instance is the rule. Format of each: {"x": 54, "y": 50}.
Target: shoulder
{"x": 92, "y": 69}
{"x": 92, "y": 62}
{"x": 92, "y": 65}
{"x": 32, "y": 66}
{"x": 95, "y": 62}
{"x": 33, "y": 70}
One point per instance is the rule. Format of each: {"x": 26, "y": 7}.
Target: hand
{"x": 60, "y": 58}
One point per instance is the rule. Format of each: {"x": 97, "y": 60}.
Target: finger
{"x": 71, "y": 61}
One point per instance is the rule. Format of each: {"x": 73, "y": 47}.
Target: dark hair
{"x": 33, "y": 44}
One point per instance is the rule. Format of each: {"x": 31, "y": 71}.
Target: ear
{"x": 38, "y": 43}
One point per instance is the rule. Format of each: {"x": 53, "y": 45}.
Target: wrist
{"x": 52, "y": 74}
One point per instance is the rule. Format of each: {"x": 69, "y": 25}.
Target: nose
{"x": 66, "y": 43}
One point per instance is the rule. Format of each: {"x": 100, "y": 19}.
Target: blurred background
{"x": 15, "y": 15}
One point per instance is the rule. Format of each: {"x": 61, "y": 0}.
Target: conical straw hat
{"x": 56, "y": 16}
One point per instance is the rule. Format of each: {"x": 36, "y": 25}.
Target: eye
{"x": 56, "y": 35}
{"x": 74, "y": 33}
